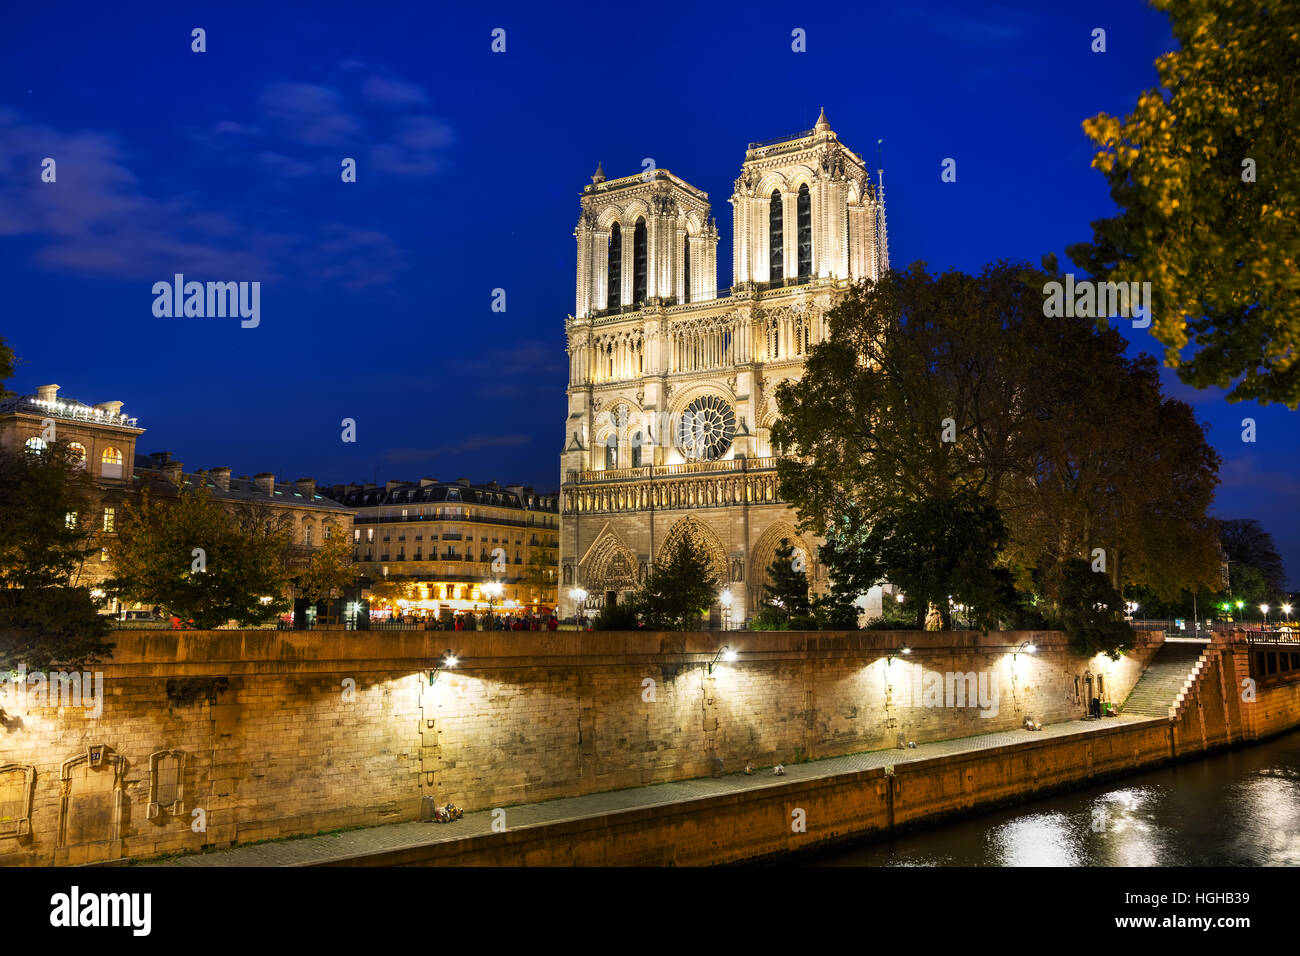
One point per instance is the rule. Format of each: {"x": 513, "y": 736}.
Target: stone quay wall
{"x": 213, "y": 738}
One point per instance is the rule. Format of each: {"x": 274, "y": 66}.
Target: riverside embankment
{"x": 272, "y": 734}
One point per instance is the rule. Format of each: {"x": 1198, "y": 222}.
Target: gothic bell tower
{"x": 643, "y": 238}
{"x": 805, "y": 208}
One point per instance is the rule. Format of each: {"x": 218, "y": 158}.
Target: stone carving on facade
{"x": 731, "y": 383}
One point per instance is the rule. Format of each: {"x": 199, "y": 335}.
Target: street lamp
{"x": 1286, "y": 610}
{"x": 1264, "y": 610}
{"x": 578, "y": 596}
{"x": 493, "y": 590}
{"x": 725, "y": 600}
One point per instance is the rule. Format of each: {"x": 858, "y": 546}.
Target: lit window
{"x": 306, "y": 536}
{"x": 110, "y": 515}
{"x": 110, "y": 463}
{"x": 70, "y": 519}
{"x": 36, "y": 445}
{"x": 356, "y": 534}
{"x": 78, "y": 453}
{"x": 329, "y": 531}
{"x": 370, "y": 534}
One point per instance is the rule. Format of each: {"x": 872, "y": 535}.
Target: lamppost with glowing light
{"x": 493, "y": 590}
{"x": 1264, "y": 610}
{"x": 725, "y": 600}
{"x": 578, "y": 596}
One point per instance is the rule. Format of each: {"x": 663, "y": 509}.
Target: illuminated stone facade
{"x": 105, "y": 440}
{"x": 671, "y": 383}
{"x": 102, "y": 436}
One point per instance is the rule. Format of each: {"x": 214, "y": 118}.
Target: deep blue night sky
{"x": 376, "y": 295}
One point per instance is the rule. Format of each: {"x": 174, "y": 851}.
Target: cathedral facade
{"x": 672, "y": 381}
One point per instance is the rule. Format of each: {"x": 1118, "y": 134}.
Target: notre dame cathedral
{"x": 672, "y": 382}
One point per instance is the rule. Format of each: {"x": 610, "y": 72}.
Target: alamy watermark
{"x": 213, "y": 300}
{"x": 85, "y": 690}
{"x": 1086, "y": 299}
{"x": 925, "y": 688}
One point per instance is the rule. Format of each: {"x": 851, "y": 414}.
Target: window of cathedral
{"x": 686, "y": 268}
{"x": 639, "y": 264}
{"x": 611, "y": 452}
{"x": 615, "y": 267}
{"x": 776, "y": 238}
{"x": 706, "y": 429}
{"x": 805, "y": 231}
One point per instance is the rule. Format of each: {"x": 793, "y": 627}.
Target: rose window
{"x": 706, "y": 429}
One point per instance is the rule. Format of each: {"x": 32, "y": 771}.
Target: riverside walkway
{"x": 335, "y": 847}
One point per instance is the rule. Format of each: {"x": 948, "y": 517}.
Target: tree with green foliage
{"x": 329, "y": 569}
{"x": 1205, "y": 173}
{"x": 1089, "y": 609}
{"x": 786, "y": 605}
{"x": 1247, "y": 545}
{"x": 937, "y": 551}
{"x": 196, "y": 559}
{"x": 46, "y": 618}
{"x": 954, "y": 397}
{"x": 678, "y": 588}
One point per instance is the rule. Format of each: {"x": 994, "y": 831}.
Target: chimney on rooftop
{"x": 265, "y": 483}
{"x": 46, "y": 393}
{"x": 172, "y": 471}
{"x": 112, "y": 409}
{"x": 305, "y": 487}
{"x": 220, "y": 477}
{"x": 464, "y": 482}
{"x": 393, "y": 484}
{"x": 425, "y": 482}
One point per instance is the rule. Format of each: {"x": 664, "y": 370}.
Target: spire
{"x": 600, "y": 174}
{"x": 822, "y": 124}
{"x": 882, "y": 243}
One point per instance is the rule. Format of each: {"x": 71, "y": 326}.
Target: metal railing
{"x": 57, "y": 409}
{"x": 783, "y": 139}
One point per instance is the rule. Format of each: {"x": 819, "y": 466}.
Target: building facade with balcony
{"x": 102, "y": 439}
{"x": 672, "y": 383}
{"x": 451, "y": 539}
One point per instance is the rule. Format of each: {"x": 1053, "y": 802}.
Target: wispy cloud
{"x": 1246, "y": 472}
{"x": 106, "y": 216}
{"x": 511, "y": 370}
{"x": 475, "y": 443}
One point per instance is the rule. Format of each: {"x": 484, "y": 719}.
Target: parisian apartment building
{"x": 450, "y": 539}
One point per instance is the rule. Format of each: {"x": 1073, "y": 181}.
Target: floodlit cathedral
{"x": 672, "y": 382}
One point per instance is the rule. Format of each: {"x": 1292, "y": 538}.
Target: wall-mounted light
{"x": 725, "y": 653}
{"x": 1027, "y": 646}
{"x": 904, "y": 650}
{"x": 448, "y": 660}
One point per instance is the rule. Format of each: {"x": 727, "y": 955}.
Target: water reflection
{"x": 1236, "y": 809}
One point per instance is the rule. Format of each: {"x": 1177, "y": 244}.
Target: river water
{"x": 1238, "y": 808}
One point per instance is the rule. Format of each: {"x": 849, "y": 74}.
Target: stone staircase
{"x": 1169, "y": 675}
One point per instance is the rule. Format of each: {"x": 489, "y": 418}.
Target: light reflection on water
{"x": 1240, "y": 808}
